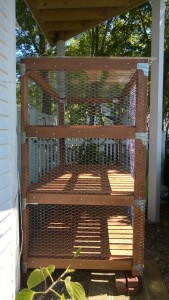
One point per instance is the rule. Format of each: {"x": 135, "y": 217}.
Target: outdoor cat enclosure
{"x": 83, "y": 161}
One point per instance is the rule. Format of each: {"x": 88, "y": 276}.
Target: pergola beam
{"x": 52, "y": 15}
{"x": 156, "y": 101}
{"x": 59, "y": 4}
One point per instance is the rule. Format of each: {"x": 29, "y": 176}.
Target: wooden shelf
{"x": 102, "y": 234}
{"x": 86, "y": 180}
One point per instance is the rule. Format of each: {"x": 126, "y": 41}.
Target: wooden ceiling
{"x": 63, "y": 19}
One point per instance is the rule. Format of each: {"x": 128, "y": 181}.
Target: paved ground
{"x": 152, "y": 286}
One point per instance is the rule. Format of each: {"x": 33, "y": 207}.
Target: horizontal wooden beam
{"x": 46, "y": 87}
{"x": 68, "y": 4}
{"x": 70, "y": 25}
{"x": 102, "y": 132}
{"x": 82, "y": 63}
{"x": 109, "y": 264}
{"x": 79, "y": 199}
{"x": 76, "y": 14}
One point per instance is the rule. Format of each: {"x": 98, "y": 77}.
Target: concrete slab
{"x": 152, "y": 287}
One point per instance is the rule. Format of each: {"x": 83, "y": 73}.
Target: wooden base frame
{"x": 34, "y": 262}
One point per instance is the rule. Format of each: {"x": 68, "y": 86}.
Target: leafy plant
{"x": 74, "y": 289}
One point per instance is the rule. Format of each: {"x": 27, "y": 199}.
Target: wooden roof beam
{"x": 59, "y": 4}
{"x": 50, "y": 15}
{"x": 70, "y": 25}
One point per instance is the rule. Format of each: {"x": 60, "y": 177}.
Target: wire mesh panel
{"x": 90, "y": 166}
{"x": 83, "y": 97}
{"x": 83, "y": 159}
{"x": 60, "y": 230}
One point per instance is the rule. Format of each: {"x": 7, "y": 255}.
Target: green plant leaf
{"x": 39, "y": 275}
{"x": 77, "y": 254}
{"x": 70, "y": 270}
{"x": 25, "y": 294}
{"x": 75, "y": 289}
{"x": 62, "y": 297}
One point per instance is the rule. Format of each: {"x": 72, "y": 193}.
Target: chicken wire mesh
{"x": 103, "y": 166}
{"x": 62, "y": 165}
{"x": 83, "y": 97}
{"x": 60, "y": 230}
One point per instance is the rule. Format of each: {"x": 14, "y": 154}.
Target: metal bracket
{"x": 23, "y": 137}
{"x": 22, "y": 69}
{"x": 24, "y": 267}
{"x": 141, "y": 204}
{"x": 139, "y": 268}
{"x": 62, "y": 100}
{"x": 144, "y": 67}
{"x": 23, "y": 203}
{"x": 143, "y": 136}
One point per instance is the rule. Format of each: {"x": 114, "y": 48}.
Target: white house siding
{"x": 9, "y": 227}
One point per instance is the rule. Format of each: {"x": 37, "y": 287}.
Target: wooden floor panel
{"x": 85, "y": 179}
{"x": 101, "y": 234}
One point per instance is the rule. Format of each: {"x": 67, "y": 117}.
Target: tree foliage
{"x": 126, "y": 35}
{"x": 29, "y": 37}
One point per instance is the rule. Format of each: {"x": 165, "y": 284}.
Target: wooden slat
{"x": 116, "y": 132}
{"x": 82, "y": 64}
{"x": 122, "y": 252}
{"x": 69, "y": 25}
{"x": 76, "y": 14}
{"x": 80, "y": 199}
{"x": 85, "y": 179}
{"x": 47, "y": 88}
{"x": 52, "y": 4}
{"x": 97, "y": 264}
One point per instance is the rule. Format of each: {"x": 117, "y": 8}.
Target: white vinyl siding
{"x": 9, "y": 225}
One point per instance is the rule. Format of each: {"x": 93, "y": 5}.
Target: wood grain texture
{"x": 114, "y": 132}
{"x": 85, "y": 179}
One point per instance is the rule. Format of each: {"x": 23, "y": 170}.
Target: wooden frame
{"x": 79, "y": 199}
{"x": 82, "y": 64}
{"x": 33, "y": 262}
{"x": 103, "y": 132}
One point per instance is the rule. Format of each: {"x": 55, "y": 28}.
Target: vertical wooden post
{"x": 24, "y": 161}
{"x": 140, "y": 174}
{"x": 156, "y": 102}
{"x": 61, "y": 105}
{"x": 120, "y": 122}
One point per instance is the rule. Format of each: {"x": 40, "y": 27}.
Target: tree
{"x": 30, "y": 40}
{"x": 126, "y": 35}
